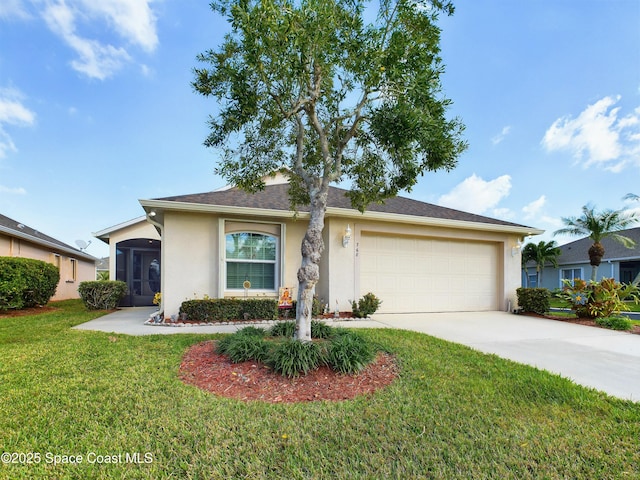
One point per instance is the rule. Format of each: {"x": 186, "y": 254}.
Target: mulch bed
{"x": 580, "y": 321}
{"x": 207, "y": 370}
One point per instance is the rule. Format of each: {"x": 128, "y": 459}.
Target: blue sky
{"x": 97, "y": 111}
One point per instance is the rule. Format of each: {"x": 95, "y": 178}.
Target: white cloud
{"x": 533, "y": 209}
{"x": 13, "y": 9}
{"x": 597, "y": 136}
{"x": 476, "y": 195}
{"x": 503, "y": 213}
{"x": 132, "y": 20}
{"x": 12, "y": 112}
{"x": 6, "y": 144}
{"x": 13, "y": 191}
{"x": 501, "y": 136}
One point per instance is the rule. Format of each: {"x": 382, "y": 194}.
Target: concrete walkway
{"x": 594, "y": 357}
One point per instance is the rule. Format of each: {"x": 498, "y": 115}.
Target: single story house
{"x": 415, "y": 256}
{"x": 619, "y": 262}
{"x": 75, "y": 266}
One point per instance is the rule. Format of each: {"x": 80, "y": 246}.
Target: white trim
{"x": 222, "y": 255}
{"x": 105, "y": 233}
{"x": 341, "y": 212}
{"x": 560, "y": 277}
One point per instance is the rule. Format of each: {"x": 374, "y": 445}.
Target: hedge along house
{"x": 75, "y": 266}
{"x": 134, "y": 258}
{"x": 416, "y": 257}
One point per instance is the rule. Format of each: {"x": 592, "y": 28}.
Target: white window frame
{"x": 278, "y": 263}
{"x": 561, "y": 271}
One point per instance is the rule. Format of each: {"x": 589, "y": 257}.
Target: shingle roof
{"x": 15, "y": 228}
{"x": 576, "y": 252}
{"x": 275, "y": 197}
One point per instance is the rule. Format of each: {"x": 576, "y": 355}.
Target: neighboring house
{"x": 619, "y": 262}
{"x": 416, "y": 257}
{"x": 75, "y": 266}
{"x": 102, "y": 267}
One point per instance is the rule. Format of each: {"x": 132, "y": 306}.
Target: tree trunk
{"x": 596, "y": 252}
{"x": 309, "y": 272}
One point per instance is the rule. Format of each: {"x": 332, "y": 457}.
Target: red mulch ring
{"x": 207, "y": 370}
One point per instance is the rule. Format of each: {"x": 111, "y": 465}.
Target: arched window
{"x": 253, "y": 257}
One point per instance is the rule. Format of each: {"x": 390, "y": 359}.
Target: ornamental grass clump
{"x": 244, "y": 347}
{"x": 349, "y": 353}
{"x": 293, "y": 357}
{"x": 283, "y": 329}
{"x": 340, "y": 349}
{"x": 321, "y": 330}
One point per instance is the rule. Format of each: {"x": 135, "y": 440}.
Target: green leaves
{"x": 311, "y": 86}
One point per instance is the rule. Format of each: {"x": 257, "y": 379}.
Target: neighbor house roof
{"x": 16, "y": 229}
{"x": 577, "y": 252}
{"x": 275, "y": 199}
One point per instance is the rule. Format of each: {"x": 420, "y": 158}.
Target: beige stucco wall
{"x": 189, "y": 251}
{"x": 85, "y": 270}
{"x": 342, "y": 283}
{"x": 192, "y": 266}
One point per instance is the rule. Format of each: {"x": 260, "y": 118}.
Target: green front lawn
{"x": 453, "y": 413}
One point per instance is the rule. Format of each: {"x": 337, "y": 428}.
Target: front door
{"x": 139, "y": 268}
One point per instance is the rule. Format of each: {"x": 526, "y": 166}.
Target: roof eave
{"x": 48, "y": 244}
{"x": 158, "y": 206}
{"x": 106, "y": 233}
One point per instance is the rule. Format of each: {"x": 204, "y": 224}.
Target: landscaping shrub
{"x": 536, "y": 300}
{"x": 321, "y": 330}
{"x": 344, "y": 352}
{"x": 244, "y": 347}
{"x": 292, "y": 357}
{"x": 615, "y": 323}
{"x": 283, "y": 329}
{"x": 262, "y": 309}
{"x": 225, "y": 309}
{"x": 367, "y": 305}
{"x": 102, "y": 294}
{"x": 598, "y": 299}
{"x": 253, "y": 331}
{"x": 25, "y": 282}
{"x": 349, "y": 353}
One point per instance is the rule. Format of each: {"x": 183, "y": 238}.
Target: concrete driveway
{"x": 594, "y": 357}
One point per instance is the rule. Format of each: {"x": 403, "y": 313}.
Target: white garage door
{"x": 415, "y": 274}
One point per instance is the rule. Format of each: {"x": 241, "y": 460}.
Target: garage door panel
{"x": 412, "y": 274}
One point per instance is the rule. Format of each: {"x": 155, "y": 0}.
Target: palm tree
{"x": 597, "y": 226}
{"x": 541, "y": 253}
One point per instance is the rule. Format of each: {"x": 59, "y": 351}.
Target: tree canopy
{"x": 597, "y": 226}
{"x": 311, "y": 86}
{"x": 329, "y": 91}
{"x": 540, "y": 253}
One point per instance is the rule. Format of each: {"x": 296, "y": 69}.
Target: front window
{"x": 251, "y": 257}
{"x": 571, "y": 274}
{"x": 74, "y": 269}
